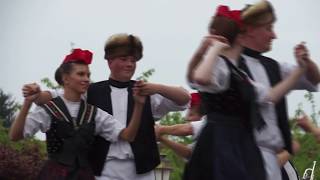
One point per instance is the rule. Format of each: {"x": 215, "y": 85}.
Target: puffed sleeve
{"x": 107, "y": 126}
{"x": 36, "y": 120}
{"x": 220, "y": 77}
{"x": 161, "y": 105}
{"x": 59, "y": 92}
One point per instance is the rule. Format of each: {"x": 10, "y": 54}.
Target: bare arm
{"x": 180, "y": 149}
{"x": 197, "y": 57}
{"x": 203, "y": 72}
{"x": 176, "y": 130}
{"x": 283, "y": 157}
{"x": 283, "y": 87}
{"x": 306, "y": 124}
{"x": 17, "y": 127}
{"x": 129, "y": 133}
{"x": 177, "y": 94}
{"x": 32, "y": 89}
{"x": 43, "y": 98}
{"x": 312, "y": 73}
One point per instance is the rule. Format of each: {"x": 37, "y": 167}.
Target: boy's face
{"x": 122, "y": 68}
{"x": 193, "y": 114}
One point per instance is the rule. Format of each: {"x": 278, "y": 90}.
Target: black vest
{"x": 274, "y": 75}
{"x": 144, "y": 147}
{"x": 69, "y": 140}
{"x": 237, "y": 102}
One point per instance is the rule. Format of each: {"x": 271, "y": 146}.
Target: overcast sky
{"x": 35, "y": 35}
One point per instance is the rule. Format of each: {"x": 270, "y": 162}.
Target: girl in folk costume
{"x": 70, "y": 123}
{"x": 123, "y": 160}
{"x": 226, "y": 147}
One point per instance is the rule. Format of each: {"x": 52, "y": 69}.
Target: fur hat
{"x": 258, "y": 14}
{"x": 123, "y": 45}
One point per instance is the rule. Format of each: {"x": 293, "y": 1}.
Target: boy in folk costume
{"x": 137, "y": 159}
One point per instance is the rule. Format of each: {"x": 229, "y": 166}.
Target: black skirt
{"x": 225, "y": 150}
{"x": 55, "y": 171}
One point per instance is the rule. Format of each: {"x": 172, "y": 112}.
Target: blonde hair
{"x": 258, "y": 14}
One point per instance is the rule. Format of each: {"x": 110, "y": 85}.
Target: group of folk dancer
{"x": 106, "y": 130}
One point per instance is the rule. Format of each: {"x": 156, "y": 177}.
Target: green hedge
{"x": 20, "y": 160}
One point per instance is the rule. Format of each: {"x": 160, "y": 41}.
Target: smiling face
{"x": 122, "y": 68}
{"x": 78, "y": 79}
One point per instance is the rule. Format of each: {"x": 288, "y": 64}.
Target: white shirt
{"x": 160, "y": 106}
{"x": 120, "y": 159}
{"x": 106, "y": 125}
{"x": 270, "y": 137}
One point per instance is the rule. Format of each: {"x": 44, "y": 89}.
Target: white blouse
{"x": 220, "y": 81}
{"x": 197, "y": 127}
{"x": 106, "y": 125}
{"x": 270, "y": 138}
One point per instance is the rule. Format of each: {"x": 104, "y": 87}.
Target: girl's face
{"x": 78, "y": 79}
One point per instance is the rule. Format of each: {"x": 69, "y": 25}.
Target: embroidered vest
{"x": 144, "y": 147}
{"x": 68, "y": 139}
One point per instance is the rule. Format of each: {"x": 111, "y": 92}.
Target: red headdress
{"x": 234, "y": 15}
{"x": 79, "y": 55}
{"x": 195, "y": 99}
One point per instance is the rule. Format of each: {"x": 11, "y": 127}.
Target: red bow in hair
{"x": 79, "y": 55}
{"x": 195, "y": 99}
{"x": 234, "y": 15}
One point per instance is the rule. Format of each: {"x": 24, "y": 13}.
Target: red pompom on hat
{"x": 79, "y": 55}
{"x": 195, "y": 99}
{"x": 234, "y": 15}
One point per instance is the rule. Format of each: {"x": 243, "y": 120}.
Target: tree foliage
{"x": 7, "y": 108}
{"x": 176, "y": 162}
{"x": 309, "y": 147}
{"x": 49, "y": 84}
{"x": 146, "y": 74}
